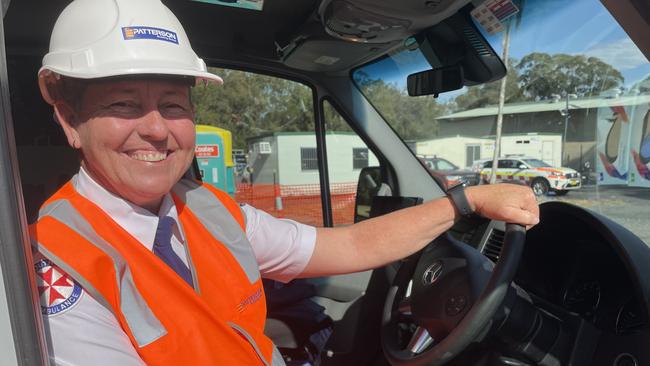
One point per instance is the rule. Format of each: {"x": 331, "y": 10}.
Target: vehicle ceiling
{"x": 286, "y": 34}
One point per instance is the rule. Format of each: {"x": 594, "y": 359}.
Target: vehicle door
{"x": 506, "y": 169}
{"x": 521, "y": 172}
{"x": 21, "y": 335}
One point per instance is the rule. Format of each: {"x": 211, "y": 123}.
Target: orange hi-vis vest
{"x": 218, "y": 322}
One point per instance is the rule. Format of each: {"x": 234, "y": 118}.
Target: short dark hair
{"x": 71, "y": 90}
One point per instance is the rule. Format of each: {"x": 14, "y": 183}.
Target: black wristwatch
{"x": 457, "y": 196}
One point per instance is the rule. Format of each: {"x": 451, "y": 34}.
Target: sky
{"x": 576, "y": 27}
{"x": 551, "y": 26}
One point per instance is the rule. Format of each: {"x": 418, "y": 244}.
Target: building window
{"x": 308, "y": 158}
{"x": 262, "y": 147}
{"x": 359, "y": 158}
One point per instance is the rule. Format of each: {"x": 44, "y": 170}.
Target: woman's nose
{"x": 153, "y": 126}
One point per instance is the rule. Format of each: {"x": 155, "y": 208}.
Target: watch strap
{"x": 457, "y": 196}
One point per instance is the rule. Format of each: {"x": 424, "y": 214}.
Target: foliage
{"x": 541, "y": 75}
{"x": 333, "y": 120}
{"x": 252, "y": 104}
{"x": 411, "y": 117}
{"x": 488, "y": 94}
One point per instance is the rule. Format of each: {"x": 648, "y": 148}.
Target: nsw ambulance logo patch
{"x": 58, "y": 291}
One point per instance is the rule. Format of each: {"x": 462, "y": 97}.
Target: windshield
{"x": 536, "y": 163}
{"x": 576, "y": 95}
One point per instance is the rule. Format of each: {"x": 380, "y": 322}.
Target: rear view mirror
{"x": 435, "y": 81}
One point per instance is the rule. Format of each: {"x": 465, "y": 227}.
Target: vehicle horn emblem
{"x": 432, "y": 273}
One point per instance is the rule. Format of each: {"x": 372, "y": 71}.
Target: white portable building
{"x": 546, "y": 147}
{"x": 460, "y": 150}
{"x": 289, "y": 158}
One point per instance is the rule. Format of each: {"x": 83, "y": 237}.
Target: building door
{"x": 472, "y": 153}
{"x": 547, "y": 153}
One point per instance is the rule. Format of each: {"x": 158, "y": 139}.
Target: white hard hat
{"x": 102, "y": 38}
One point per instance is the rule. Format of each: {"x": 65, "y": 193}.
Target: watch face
{"x": 461, "y": 184}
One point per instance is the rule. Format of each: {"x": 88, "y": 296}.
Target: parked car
{"x": 542, "y": 177}
{"x": 448, "y": 173}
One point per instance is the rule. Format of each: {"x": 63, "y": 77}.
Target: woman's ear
{"x": 68, "y": 117}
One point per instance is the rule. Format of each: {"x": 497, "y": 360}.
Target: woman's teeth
{"x": 149, "y": 156}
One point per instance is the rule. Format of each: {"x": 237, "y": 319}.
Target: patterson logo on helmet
{"x": 140, "y": 32}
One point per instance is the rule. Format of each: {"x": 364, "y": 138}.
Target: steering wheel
{"x": 449, "y": 293}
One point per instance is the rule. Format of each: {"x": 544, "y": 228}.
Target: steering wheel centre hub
{"x": 432, "y": 273}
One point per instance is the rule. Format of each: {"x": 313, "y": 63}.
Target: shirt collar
{"x": 137, "y": 221}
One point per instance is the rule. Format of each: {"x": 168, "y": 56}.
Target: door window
{"x": 443, "y": 164}
{"x": 347, "y": 154}
{"x": 271, "y": 121}
{"x": 506, "y": 164}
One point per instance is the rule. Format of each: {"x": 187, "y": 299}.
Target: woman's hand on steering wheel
{"x": 511, "y": 203}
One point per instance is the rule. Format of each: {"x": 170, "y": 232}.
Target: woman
{"x": 142, "y": 266}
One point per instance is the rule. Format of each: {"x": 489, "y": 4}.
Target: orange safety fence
{"x": 300, "y": 202}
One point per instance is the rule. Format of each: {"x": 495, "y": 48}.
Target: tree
{"x": 333, "y": 120}
{"x": 413, "y": 118}
{"x": 250, "y": 104}
{"x": 541, "y": 75}
{"x": 488, "y": 94}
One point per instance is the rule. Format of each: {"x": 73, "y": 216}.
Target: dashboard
{"x": 569, "y": 263}
{"x": 586, "y": 271}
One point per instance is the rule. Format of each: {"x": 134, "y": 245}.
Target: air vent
{"x": 492, "y": 248}
{"x": 475, "y": 41}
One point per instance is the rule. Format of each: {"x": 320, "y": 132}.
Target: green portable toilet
{"x": 214, "y": 157}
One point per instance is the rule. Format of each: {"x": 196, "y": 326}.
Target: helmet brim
{"x": 201, "y": 78}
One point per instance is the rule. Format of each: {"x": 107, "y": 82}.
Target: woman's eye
{"x": 175, "y": 109}
{"x": 174, "y": 106}
{"x": 122, "y": 105}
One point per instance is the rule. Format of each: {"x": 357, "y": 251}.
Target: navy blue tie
{"x": 162, "y": 247}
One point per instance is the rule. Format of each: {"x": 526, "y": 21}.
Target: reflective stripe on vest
{"x": 144, "y": 325}
{"x": 216, "y": 218}
{"x": 276, "y": 358}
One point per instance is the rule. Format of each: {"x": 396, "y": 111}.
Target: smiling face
{"x": 136, "y": 137}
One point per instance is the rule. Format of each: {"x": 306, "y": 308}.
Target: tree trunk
{"x": 502, "y": 98}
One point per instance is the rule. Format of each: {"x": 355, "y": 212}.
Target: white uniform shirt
{"x": 86, "y": 333}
